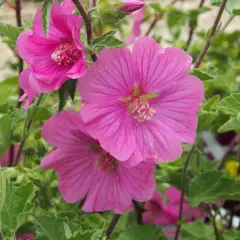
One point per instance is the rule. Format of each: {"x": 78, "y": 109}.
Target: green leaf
{"x": 232, "y": 124}
{"x": 231, "y": 103}
{"x": 210, "y": 186}
{"x": 201, "y": 74}
{"x": 107, "y": 40}
{"x": 109, "y": 11}
{"x": 38, "y": 113}
{"x": 71, "y": 85}
{"x": 231, "y": 235}
{"x": 50, "y": 227}
{"x": 63, "y": 97}
{"x": 176, "y": 18}
{"x": 5, "y": 132}
{"x": 3, "y": 183}
{"x": 211, "y": 103}
{"x": 205, "y": 119}
{"x": 10, "y": 32}
{"x": 46, "y": 11}
{"x": 233, "y": 7}
{"x": 197, "y": 231}
{"x": 18, "y": 204}
{"x": 142, "y": 232}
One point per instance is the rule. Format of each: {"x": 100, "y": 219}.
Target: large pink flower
{"x": 85, "y": 169}
{"x": 141, "y": 104}
{"x": 5, "y": 159}
{"x": 161, "y": 213}
{"x": 58, "y": 57}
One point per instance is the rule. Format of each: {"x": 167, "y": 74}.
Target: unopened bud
{"x": 131, "y": 6}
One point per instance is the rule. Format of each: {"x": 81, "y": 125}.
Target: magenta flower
{"x": 58, "y": 57}
{"x": 161, "y": 213}
{"x": 131, "y": 5}
{"x": 5, "y": 159}
{"x": 138, "y": 17}
{"x": 141, "y": 104}
{"x": 87, "y": 170}
{"x": 26, "y": 236}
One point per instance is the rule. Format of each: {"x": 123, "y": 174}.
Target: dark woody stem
{"x": 20, "y": 69}
{"x": 112, "y": 225}
{"x": 88, "y": 25}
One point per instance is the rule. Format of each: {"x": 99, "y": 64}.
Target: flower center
{"x": 107, "y": 163}
{"x": 66, "y": 54}
{"x": 141, "y": 110}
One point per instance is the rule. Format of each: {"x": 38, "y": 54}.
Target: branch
{"x": 184, "y": 173}
{"x": 112, "y": 225}
{"x": 212, "y": 33}
{"x": 157, "y": 17}
{"x": 228, "y": 151}
{"x": 20, "y": 69}
{"x": 192, "y": 29}
{"x": 139, "y": 211}
{"x": 88, "y": 25}
{"x": 25, "y": 133}
{"x": 213, "y": 223}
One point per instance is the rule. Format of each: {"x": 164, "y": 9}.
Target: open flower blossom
{"x": 54, "y": 59}
{"x": 137, "y": 22}
{"x": 141, "y": 105}
{"x": 87, "y": 170}
{"x": 160, "y": 213}
{"x": 5, "y": 159}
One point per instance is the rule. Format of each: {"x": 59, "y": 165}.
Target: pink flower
{"x": 141, "y": 105}
{"x": 56, "y": 58}
{"x": 131, "y": 5}
{"x": 136, "y": 29}
{"x": 5, "y": 159}
{"x": 85, "y": 169}
{"x": 26, "y": 236}
{"x": 161, "y": 213}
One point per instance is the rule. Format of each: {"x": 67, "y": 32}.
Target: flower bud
{"x": 131, "y": 6}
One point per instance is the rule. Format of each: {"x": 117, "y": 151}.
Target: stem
{"x": 213, "y": 223}
{"x": 88, "y": 25}
{"x": 192, "y": 29}
{"x": 20, "y": 69}
{"x": 212, "y": 33}
{"x": 155, "y": 20}
{"x": 139, "y": 211}
{"x": 183, "y": 192}
{"x": 228, "y": 151}
{"x": 112, "y": 225}
{"x": 25, "y": 133}
{"x": 227, "y": 23}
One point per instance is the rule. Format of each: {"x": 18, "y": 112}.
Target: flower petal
{"x": 157, "y": 142}
{"x": 77, "y": 171}
{"x": 177, "y": 105}
{"x": 112, "y": 127}
{"x": 109, "y": 79}
{"x": 158, "y": 66}
{"x": 107, "y": 193}
{"x": 139, "y": 180}
{"x": 65, "y": 130}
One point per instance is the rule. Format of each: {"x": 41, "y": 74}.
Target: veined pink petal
{"x": 157, "y": 67}
{"x": 5, "y": 159}
{"x": 65, "y": 130}
{"x": 181, "y": 117}
{"x": 157, "y": 145}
